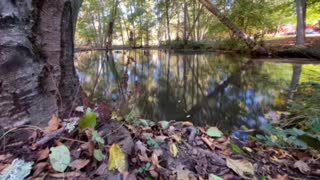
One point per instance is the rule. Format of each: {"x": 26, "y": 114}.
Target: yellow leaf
{"x": 274, "y": 138}
{"x": 116, "y": 159}
{"x": 177, "y": 138}
{"x": 242, "y": 167}
{"x": 173, "y": 149}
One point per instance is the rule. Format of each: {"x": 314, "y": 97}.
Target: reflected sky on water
{"x": 224, "y": 90}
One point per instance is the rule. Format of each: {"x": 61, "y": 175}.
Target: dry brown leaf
{"x": 3, "y": 166}
{"x": 39, "y": 168}
{"x": 154, "y": 174}
{"x": 5, "y": 157}
{"x": 302, "y": 166}
{"x": 65, "y": 175}
{"x": 53, "y": 124}
{"x": 207, "y": 142}
{"x": 43, "y": 154}
{"x": 187, "y": 123}
{"x": 102, "y": 170}
{"x": 129, "y": 176}
{"x": 280, "y": 177}
{"x": 182, "y": 173}
{"x": 242, "y": 167}
{"x": 79, "y": 164}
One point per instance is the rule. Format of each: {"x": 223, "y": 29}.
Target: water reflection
{"x": 216, "y": 89}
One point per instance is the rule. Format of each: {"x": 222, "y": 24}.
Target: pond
{"x": 223, "y": 90}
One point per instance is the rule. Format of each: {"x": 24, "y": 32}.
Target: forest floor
{"x": 88, "y": 146}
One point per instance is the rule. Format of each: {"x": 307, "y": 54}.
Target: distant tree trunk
{"x": 178, "y": 17}
{"x": 168, "y": 21}
{"x": 232, "y": 27}
{"x": 301, "y": 15}
{"x": 37, "y": 74}
{"x": 185, "y": 23}
{"x": 111, "y": 23}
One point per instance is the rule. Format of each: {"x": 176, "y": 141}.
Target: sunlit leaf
{"x": 89, "y": 120}
{"x": 242, "y": 167}
{"x": 214, "y": 132}
{"x": 117, "y": 159}
{"x": 173, "y": 149}
{"x": 60, "y": 158}
{"x": 214, "y": 177}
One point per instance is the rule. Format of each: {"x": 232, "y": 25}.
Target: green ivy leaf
{"x": 60, "y": 158}
{"x": 214, "y": 132}
{"x": 97, "y": 138}
{"x": 214, "y": 177}
{"x": 98, "y": 155}
{"x": 89, "y": 120}
{"x": 164, "y": 124}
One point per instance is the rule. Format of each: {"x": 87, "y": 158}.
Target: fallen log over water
{"x": 309, "y": 52}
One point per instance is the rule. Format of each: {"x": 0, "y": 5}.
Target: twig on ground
{"x": 74, "y": 140}
{"x": 48, "y": 137}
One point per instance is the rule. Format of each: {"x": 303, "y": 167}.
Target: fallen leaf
{"x": 173, "y": 149}
{"x": 39, "y": 168}
{"x": 79, "y": 164}
{"x": 187, "y": 123}
{"x": 53, "y": 124}
{"x": 96, "y": 137}
{"x": 302, "y": 166}
{"x": 280, "y": 177}
{"x": 242, "y": 167}
{"x": 177, "y": 138}
{"x": 66, "y": 175}
{"x": 214, "y": 177}
{"x": 182, "y": 173}
{"x": 43, "y": 154}
{"x": 60, "y": 158}
{"x": 207, "y": 142}
{"x": 18, "y": 169}
{"x": 116, "y": 159}
{"x": 129, "y": 176}
{"x": 214, "y": 132}
{"x": 164, "y": 124}
{"x": 98, "y": 155}
{"x": 89, "y": 120}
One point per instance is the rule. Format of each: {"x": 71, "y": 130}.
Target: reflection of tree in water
{"x": 214, "y": 89}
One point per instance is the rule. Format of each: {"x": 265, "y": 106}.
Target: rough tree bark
{"x": 37, "y": 74}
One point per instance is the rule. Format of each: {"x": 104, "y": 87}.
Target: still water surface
{"x": 224, "y": 90}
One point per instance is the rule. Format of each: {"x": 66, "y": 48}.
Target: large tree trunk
{"x": 232, "y": 27}
{"x": 37, "y": 74}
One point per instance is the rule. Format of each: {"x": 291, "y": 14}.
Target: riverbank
{"x": 103, "y": 144}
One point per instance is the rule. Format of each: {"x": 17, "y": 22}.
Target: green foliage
{"x": 60, "y": 158}
{"x": 144, "y": 168}
{"x": 98, "y": 155}
{"x": 236, "y": 149}
{"x": 97, "y": 138}
{"x": 143, "y": 122}
{"x": 154, "y": 143}
{"x": 89, "y": 120}
{"x": 214, "y": 132}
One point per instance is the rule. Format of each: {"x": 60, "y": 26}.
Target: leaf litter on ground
{"x": 167, "y": 149}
